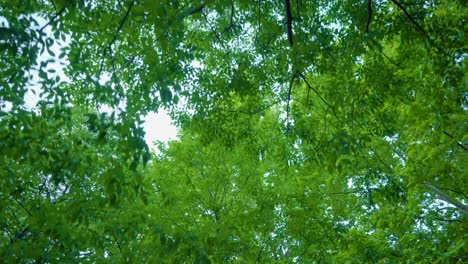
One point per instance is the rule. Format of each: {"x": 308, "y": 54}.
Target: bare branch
{"x": 287, "y": 4}
{"x": 442, "y": 196}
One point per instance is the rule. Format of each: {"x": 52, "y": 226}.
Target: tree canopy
{"x": 310, "y": 131}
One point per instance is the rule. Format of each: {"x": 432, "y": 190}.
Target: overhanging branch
{"x": 122, "y": 22}
{"x": 52, "y": 20}
{"x": 409, "y": 16}
{"x": 444, "y": 197}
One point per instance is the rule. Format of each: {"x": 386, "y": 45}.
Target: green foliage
{"x": 347, "y": 145}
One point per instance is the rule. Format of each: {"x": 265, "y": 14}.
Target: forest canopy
{"x": 309, "y": 131}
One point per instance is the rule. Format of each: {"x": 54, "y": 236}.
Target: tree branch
{"x": 458, "y": 143}
{"x": 317, "y": 93}
{"x": 409, "y": 16}
{"x": 211, "y": 28}
{"x": 381, "y": 160}
{"x": 190, "y": 12}
{"x": 287, "y": 4}
{"x": 52, "y": 19}
{"x": 197, "y": 9}
{"x": 442, "y": 196}
{"x": 369, "y": 14}
{"x": 122, "y": 22}
{"x": 118, "y": 244}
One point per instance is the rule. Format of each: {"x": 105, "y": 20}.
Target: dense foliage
{"x": 310, "y": 131}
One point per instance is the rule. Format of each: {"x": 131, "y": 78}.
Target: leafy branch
{"x": 418, "y": 26}
{"x": 231, "y": 20}
{"x": 109, "y": 46}
{"x": 458, "y": 143}
{"x": 317, "y": 93}
{"x": 190, "y": 12}
{"x": 409, "y": 16}
{"x": 213, "y": 31}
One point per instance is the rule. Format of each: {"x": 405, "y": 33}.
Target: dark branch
{"x": 287, "y": 4}
{"x": 53, "y": 19}
{"x": 231, "y": 19}
{"x": 211, "y": 28}
{"x": 197, "y": 9}
{"x": 317, "y": 93}
{"x": 369, "y": 14}
{"x": 122, "y": 22}
{"x": 232, "y": 14}
{"x": 458, "y": 143}
{"x": 187, "y": 13}
{"x": 381, "y": 160}
{"x": 409, "y": 16}
{"x": 118, "y": 244}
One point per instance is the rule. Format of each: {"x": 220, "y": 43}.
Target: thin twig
{"x": 258, "y": 21}
{"x": 231, "y": 23}
{"x": 118, "y": 244}
{"x": 211, "y": 28}
{"x": 381, "y": 160}
{"x": 420, "y": 28}
{"x": 317, "y": 93}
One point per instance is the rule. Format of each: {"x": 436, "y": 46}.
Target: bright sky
{"x": 159, "y": 127}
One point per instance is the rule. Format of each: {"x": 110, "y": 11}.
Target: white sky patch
{"x": 159, "y": 127}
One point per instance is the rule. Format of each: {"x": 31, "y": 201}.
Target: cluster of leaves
{"x": 332, "y": 131}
